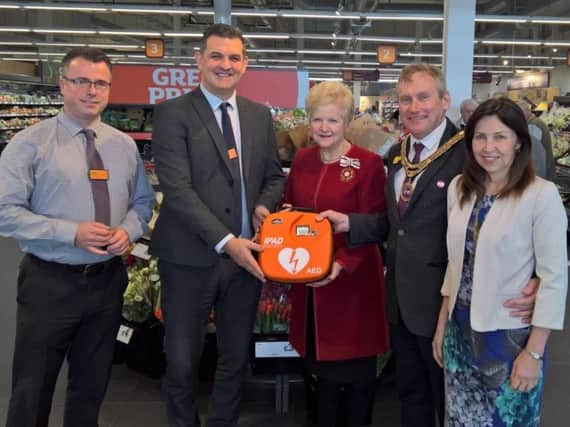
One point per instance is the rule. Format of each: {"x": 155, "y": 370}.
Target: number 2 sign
{"x": 386, "y": 54}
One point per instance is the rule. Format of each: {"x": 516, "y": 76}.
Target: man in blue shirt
{"x": 74, "y": 194}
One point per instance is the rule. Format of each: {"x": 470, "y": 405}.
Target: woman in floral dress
{"x": 504, "y": 226}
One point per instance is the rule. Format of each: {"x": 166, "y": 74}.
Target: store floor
{"x": 135, "y": 401}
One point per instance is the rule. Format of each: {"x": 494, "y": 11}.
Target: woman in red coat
{"x": 338, "y": 324}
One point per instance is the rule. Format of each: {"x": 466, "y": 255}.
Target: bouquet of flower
{"x": 290, "y": 119}
{"x": 142, "y": 293}
{"x": 558, "y": 120}
{"x": 274, "y": 309}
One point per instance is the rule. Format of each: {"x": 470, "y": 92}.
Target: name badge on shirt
{"x": 232, "y": 153}
{"x": 98, "y": 174}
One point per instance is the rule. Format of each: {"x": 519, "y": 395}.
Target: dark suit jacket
{"x": 416, "y": 255}
{"x": 201, "y": 201}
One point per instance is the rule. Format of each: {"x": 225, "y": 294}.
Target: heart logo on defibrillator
{"x": 293, "y": 260}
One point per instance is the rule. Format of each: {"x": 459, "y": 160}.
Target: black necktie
{"x": 98, "y": 186}
{"x": 232, "y": 154}
{"x": 407, "y": 186}
{"x": 228, "y": 133}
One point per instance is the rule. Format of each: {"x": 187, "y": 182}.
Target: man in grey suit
{"x": 414, "y": 229}
{"x": 218, "y": 168}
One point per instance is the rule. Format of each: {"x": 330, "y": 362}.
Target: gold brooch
{"x": 347, "y": 174}
{"x": 396, "y": 160}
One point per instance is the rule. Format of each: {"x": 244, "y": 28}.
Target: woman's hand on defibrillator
{"x": 335, "y": 271}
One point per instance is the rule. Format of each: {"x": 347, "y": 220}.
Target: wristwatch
{"x": 534, "y": 354}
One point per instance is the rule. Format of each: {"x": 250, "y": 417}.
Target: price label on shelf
{"x": 270, "y": 349}
{"x": 125, "y": 333}
{"x": 140, "y": 250}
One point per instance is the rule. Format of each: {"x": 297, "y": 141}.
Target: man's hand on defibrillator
{"x": 240, "y": 250}
{"x": 335, "y": 271}
{"x": 259, "y": 214}
{"x": 339, "y": 221}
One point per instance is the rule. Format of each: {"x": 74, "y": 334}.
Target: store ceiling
{"x": 346, "y": 37}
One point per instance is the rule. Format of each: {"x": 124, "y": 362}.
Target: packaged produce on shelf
{"x": 18, "y": 110}
{"x": 18, "y": 122}
{"x": 125, "y": 119}
{"x": 33, "y": 99}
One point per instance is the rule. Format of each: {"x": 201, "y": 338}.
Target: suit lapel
{"x": 426, "y": 177}
{"x": 207, "y": 117}
{"x": 390, "y": 192}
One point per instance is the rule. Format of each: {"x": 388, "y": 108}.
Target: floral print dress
{"x": 478, "y": 365}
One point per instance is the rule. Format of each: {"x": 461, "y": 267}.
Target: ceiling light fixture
{"x": 194, "y": 35}
{"x": 171, "y": 10}
{"x": 271, "y": 50}
{"x": 129, "y": 33}
{"x": 549, "y": 20}
{"x": 386, "y": 39}
{"x": 318, "y": 15}
{"x": 115, "y": 46}
{"x": 322, "y": 52}
{"x": 16, "y": 43}
{"x": 512, "y": 42}
{"x": 61, "y": 31}
{"x": 259, "y": 13}
{"x": 78, "y": 8}
{"x": 427, "y": 55}
{"x": 501, "y": 19}
{"x": 325, "y": 79}
{"x": 391, "y": 17}
{"x": 557, "y": 43}
{"x": 279, "y": 36}
{"x": 15, "y": 30}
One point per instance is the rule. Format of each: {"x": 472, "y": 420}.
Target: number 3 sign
{"x": 386, "y": 54}
{"x": 154, "y": 48}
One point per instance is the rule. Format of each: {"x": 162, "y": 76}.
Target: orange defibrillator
{"x": 297, "y": 248}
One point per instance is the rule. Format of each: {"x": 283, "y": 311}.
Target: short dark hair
{"x": 521, "y": 173}
{"x": 224, "y": 31}
{"x": 91, "y": 54}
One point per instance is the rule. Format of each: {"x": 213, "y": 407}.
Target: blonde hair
{"x": 409, "y": 70}
{"x": 326, "y": 93}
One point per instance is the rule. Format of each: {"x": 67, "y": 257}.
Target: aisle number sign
{"x": 386, "y": 54}
{"x": 154, "y": 48}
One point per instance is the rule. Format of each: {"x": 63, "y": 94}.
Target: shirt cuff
{"x": 219, "y": 247}
{"x": 65, "y": 231}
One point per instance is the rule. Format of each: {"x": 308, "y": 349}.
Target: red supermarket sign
{"x": 147, "y": 85}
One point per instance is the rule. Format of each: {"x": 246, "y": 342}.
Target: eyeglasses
{"x": 84, "y": 83}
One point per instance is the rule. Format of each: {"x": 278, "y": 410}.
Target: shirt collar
{"x": 215, "y": 101}
{"x": 72, "y": 127}
{"x": 432, "y": 140}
